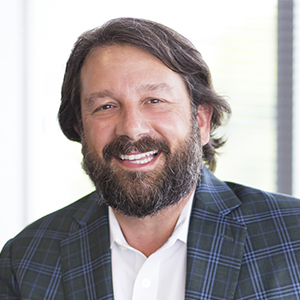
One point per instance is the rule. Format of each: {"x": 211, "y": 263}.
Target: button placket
{"x": 145, "y": 286}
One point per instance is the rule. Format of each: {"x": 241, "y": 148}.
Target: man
{"x": 139, "y": 98}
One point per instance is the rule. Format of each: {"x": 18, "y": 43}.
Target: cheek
{"x": 97, "y": 135}
{"x": 174, "y": 129}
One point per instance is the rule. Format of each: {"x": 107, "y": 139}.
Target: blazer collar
{"x": 85, "y": 254}
{"x": 215, "y": 195}
{"x": 215, "y": 241}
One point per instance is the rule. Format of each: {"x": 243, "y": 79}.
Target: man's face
{"x": 136, "y": 117}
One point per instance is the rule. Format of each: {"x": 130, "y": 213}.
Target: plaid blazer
{"x": 242, "y": 244}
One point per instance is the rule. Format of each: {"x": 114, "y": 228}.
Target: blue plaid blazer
{"x": 242, "y": 244}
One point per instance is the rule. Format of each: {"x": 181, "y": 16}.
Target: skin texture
{"x": 129, "y": 92}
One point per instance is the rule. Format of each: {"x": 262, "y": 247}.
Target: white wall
{"x": 12, "y": 120}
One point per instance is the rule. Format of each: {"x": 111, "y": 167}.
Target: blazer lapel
{"x": 215, "y": 242}
{"x": 85, "y": 255}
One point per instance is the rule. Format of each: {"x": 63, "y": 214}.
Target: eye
{"x": 104, "y": 107}
{"x": 154, "y": 101}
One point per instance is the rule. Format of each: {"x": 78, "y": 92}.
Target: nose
{"x": 132, "y": 123}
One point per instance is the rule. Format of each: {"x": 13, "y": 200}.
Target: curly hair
{"x": 174, "y": 50}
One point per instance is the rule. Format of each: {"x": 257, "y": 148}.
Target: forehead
{"x": 127, "y": 65}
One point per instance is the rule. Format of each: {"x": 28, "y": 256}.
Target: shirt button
{"x": 145, "y": 283}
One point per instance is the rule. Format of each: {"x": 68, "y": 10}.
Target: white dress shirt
{"x": 161, "y": 276}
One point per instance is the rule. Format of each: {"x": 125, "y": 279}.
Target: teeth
{"x": 137, "y": 158}
{"x": 143, "y": 161}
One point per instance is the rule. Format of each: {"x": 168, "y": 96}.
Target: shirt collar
{"x": 180, "y": 232}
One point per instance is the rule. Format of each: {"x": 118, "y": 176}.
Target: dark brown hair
{"x": 174, "y": 50}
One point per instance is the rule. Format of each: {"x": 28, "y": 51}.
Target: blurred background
{"x": 251, "y": 47}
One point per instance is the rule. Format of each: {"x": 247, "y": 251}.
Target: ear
{"x": 204, "y": 114}
{"x": 76, "y": 128}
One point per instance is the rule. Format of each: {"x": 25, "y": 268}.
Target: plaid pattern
{"x": 65, "y": 255}
{"x": 242, "y": 244}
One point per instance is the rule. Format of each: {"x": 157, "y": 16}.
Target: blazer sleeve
{"x": 8, "y": 284}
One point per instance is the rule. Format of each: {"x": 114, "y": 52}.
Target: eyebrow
{"x": 154, "y": 87}
{"x": 90, "y": 99}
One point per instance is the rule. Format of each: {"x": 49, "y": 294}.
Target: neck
{"x": 150, "y": 233}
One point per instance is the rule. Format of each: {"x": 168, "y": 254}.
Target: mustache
{"x": 124, "y": 145}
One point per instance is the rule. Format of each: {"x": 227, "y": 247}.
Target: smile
{"x": 140, "y": 158}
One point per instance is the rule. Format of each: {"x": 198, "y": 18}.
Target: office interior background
{"x": 251, "y": 47}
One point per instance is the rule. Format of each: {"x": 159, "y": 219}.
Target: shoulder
{"x": 62, "y": 218}
{"x": 252, "y": 196}
{"x": 257, "y": 205}
{"x": 239, "y": 200}
{"x": 58, "y": 225}
{"x": 39, "y": 248}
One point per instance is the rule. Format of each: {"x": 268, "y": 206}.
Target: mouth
{"x": 139, "y": 158}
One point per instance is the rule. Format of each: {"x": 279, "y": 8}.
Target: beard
{"x": 145, "y": 193}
